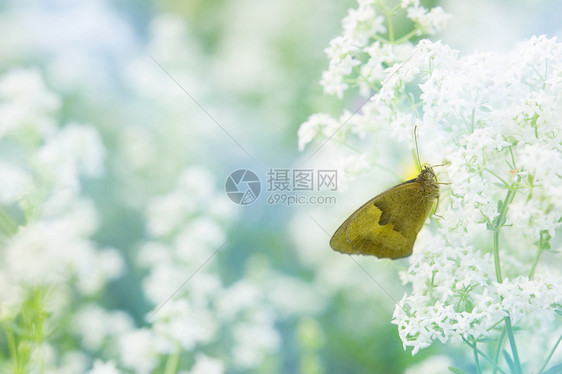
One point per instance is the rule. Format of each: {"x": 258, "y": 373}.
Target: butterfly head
{"x": 429, "y": 182}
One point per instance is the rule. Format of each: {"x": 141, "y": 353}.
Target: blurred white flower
{"x": 340, "y": 47}
{"x": 26, "y": 105}
{"x": 198, "y": 240}
{"x": 432, "y": 364}
{"x": 98, "y": 327}
{"x": 138, "y": 350}
{"x": 319, "y": 123}
{"x": 237, "y": 298}
{"x": 292, "y": 296}
{"x": 101, "y": 367}
{"x": 177, "y": 324}
{"x": 350, "y": 166}
{"x": 71, "y": 362}
{"x": 53, "y": 251}
{"x": 16, "y": 183}
{"x": 163, "y": 279}
{"x": 73, "y": 151}
{"x": 194, "y": 194}
{"x": 252, "y": 342}
{"x": 362, "y": 23}
{"x": 429, "y": 22}
{"x": 206, "y": 365}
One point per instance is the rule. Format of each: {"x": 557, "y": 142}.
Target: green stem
{"x": 11, "y": 343}
{"x": 172, "y": 363}
{"x": 511, "y": 338}
{"x": 498, "y": 351}
{"x": 6, "y": 224}
{"x": 474, "y": 349}
{"x": 407, "y": 37}
{"x": 512, "y": 158}
{"x": 390, "y": 28}
{"x": 507, "y": 201}
{"x": 497, "y": 256}
{"x": 497, "y": 176}
{"x": 383, "y": 7}
{"x": 485, "y": 356}
{"x": 381, "y": 39}
{"x": 497, "y": 227}
{"x": 494, "y": 325}
{"x": 550, "y": 355}
{"x": 535, "y": 263}
{"x": 388, "y": 13}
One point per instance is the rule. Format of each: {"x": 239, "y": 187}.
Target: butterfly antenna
{"x": 443, "y": 164}
{"x": 417, "y": 148}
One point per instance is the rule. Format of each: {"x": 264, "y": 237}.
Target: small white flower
{"x": 333, "y": 81}
{"x": 362, "y": 23}
{"x": 317, "y": 124}
{"x": 530, "y": 299}
{"x": 408, "y": 3}
{"x": 340, "y": 47}
{"x": 429, "y": 22}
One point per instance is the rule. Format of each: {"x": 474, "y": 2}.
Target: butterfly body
{"x": 387, "y": 225}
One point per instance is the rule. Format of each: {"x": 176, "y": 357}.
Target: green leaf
{"x": 457, "y": 370}
{"x": 544, "y": 240}
{"x": 556, "y": 369}
{"x": 502, "y": 222}
{"x": 486, "y": 340}
{"x": 509, "y": 361}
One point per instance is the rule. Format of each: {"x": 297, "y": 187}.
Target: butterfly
{"x": 387, "y": 225}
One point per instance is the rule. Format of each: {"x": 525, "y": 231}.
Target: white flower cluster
{"x": 427, "y": 22}
{"x": 47, "y": 259}
{"x": 52, "y": 245}
{"x": 187, "y": 226}
{"x": 359, "y": 49}
{"x": 495, "y": 120}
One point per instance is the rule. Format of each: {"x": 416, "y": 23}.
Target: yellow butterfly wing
{"x": 387, "y": 225}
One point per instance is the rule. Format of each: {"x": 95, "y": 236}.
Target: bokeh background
{"x": 180, "y": 94}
